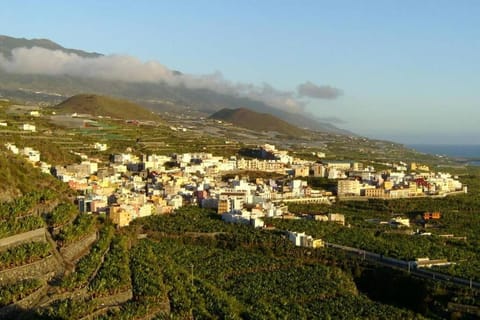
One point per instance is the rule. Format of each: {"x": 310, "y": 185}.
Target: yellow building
{"x": 223, "y": 206}
{"x": 302, "y": 171}
{"x": 318, "y": 243}
{"x": 423, "y": 167}
{"x": 413, "y": 189}
{"x": 388, "y": 185}
{"x": 309, "y": 242}
{"x": 119, "y": 216}
{"x": 375, "y": 193}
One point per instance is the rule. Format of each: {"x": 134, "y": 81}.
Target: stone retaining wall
{"x": 77, "y": 249}
{"x": 8, "y": 312}
{"x": 42, "y": 269}
{"x": 30, "y": 236}
{"x": 106, "y": 303}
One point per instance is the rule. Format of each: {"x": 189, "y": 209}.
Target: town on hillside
{"x": 129, "y": 187}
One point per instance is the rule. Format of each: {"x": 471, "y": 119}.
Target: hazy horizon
{"x": 404, "y": 71}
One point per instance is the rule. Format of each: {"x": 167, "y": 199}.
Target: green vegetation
{"x": 20, "y": 178}
{"x": 14, "y": 226}
{"x": 241, "y": 272}
{"x": 23, "y": 254}
{"x": 412, "y": 292}
{"x": 5, "y": 103}
{"x": 114, "y": 275}
{"x": 68, "y": 309}
{"x": 62, "y": 214}
{"x": 89, "y": 263}
{"x": 251, "y": 282}
{"x": 321, "y": 183}
{"x": 147, "y": 279}
{"x": 23, "y": 206}
{"x": 13, "y": 292}
{"x": 193, "y": 265}
{"x": 105, "y": 106}
{"x": 52, "y": 151}
{"x": 255, "y": 121}
{"x": 188, "y": 219}
{"x": 83, "y": 225}
{"x": 460, "y": 218}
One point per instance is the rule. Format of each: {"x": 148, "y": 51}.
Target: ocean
{"x": 464, "y": 152}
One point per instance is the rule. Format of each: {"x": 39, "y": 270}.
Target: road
{"x": 410, "y": 266}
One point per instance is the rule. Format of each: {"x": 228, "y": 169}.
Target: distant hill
{"x": 7, "y": 44}
{"x": 156, "y": 96}
{"x": 256, "y": 121}
{"x": 106, "y": 106}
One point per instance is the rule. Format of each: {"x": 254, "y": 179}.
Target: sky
{"x": 406, "y": 71}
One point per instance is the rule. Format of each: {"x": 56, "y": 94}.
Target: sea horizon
{"x": 457, "y": 151}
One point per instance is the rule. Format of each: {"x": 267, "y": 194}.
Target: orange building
{"x": 432, "y": 215}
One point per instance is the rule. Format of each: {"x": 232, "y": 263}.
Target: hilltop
{"x": 97, "y": 105}
{"x": 256, "y": 121}
{"x": 7, "y": 44}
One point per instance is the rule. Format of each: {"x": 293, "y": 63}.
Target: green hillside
{"x": 19, "y": 178}
{"x": 105, "y": 106}
{"x": 255, "y": 121}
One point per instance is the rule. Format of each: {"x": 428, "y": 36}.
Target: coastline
{"x": 467, "y": 153}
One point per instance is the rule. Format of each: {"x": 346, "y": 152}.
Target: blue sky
{"x": 409, "y": 70}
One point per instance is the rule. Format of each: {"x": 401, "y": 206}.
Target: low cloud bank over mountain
{"x": 37, "y": 60}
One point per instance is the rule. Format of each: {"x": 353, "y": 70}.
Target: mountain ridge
{"x": 158, "y": 97}
{"x": 7, "y": 44}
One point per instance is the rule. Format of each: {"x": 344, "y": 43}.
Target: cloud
{"x": 55, "y": 62}
{"x": 311, "y": 90}
{"x": 38, "y": 60}
{"x": 334, "y": 120}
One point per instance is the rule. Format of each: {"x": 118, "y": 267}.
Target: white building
{"x": 145, "y": 210}
{"x": 13, "y": 148}
{"x": 398, "y": 221}
{"x": 348, "y": 188}
{"x": 300, "y": 239}
{"x": 243, "y": 217}
{"x": 319, "y": 170}
{"x": 176, "y": 201}
{"x": 335, "y": 173}
{"x": 341, "y": 165}
{"x": 100, "y": 146}
{"x": 337, "y": 218}
{"x": 91, "y": 167}
{"x": 28, "y": 127}
{"x": 31, "y": 154}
